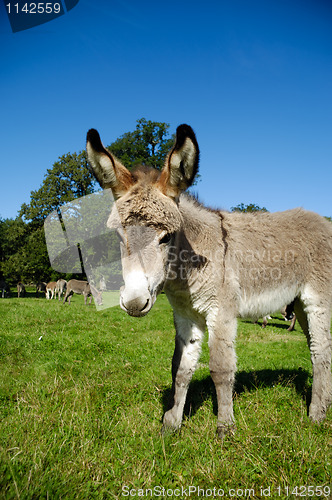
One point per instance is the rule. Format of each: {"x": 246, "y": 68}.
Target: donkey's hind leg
{"x": 188, "y": 342}
{"x": 315, "y": 321}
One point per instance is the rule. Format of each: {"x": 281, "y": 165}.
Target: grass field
{"x": 82, "y": 395}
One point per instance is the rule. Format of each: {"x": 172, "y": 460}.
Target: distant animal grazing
{"x": 82, "y": 288}
{"x": 216, "y": 266}
{"x": 4, "y": 289}
{"x": 20, "y": 290}
{"x": 288, "y": 314}
{"x": 61, "y": 287}
{"x": 51, "y": 290}
{"x": 265, "y": 321}
{"x": 97, "y": 295}
{"x": 40, "y": 287}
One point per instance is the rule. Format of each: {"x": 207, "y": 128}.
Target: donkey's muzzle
{"x": 135, "y": 296}
{"x": 137, "y": 307}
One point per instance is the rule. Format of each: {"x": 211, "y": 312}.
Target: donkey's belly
{"x": 256, "y": 305}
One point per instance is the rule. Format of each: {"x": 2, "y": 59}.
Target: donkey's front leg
{"x": 188, "y": 342}
{"x": 222, "y": 369}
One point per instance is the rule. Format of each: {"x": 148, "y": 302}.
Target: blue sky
{"x": 253, "y": 79}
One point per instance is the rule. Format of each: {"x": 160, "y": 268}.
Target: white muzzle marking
{"x": 135, "y": 296}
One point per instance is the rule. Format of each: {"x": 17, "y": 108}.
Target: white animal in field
{"x": 61, "y": 286}
{"x": 51, "y": 290}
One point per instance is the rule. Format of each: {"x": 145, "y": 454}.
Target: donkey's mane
{"x": 193, "y": 198}
{"x": 145, "y": 174}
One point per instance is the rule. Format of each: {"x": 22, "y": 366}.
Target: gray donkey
{"x": 216, "y": 266}
{"x": 82, "y": 288}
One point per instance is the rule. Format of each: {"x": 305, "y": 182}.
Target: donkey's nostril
{"x": 145, "y": 305}
{"x": 136, "y": 307}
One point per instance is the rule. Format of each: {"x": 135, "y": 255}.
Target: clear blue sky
{"x": 253, "y": 78}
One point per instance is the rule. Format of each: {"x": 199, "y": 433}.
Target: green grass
{"x": 81, "y": 409}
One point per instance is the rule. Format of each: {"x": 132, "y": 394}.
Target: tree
{"x": 148, "y": 145}
{"x": 13, "y": 234}
{"x": 69, "y": 178}
{"x": 35, "y": 254}
{"x": 252, "y": 208}
{"x": 23, "y": 253}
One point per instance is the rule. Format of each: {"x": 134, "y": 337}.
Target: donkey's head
{"x": 145, "y": 214}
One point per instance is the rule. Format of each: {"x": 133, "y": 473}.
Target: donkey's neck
{"x": 200, "y": 224}
{"x": 200, "y": 233}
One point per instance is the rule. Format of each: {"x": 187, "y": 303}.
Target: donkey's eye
{"x": 166, "y": 238}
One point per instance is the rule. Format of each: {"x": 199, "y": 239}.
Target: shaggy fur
{"x": 214, "y": 267}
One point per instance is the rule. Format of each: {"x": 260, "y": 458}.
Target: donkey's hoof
{"x": 224, "y": 430}
{"x": 168, "y": 430}
{"x": 317, "y": 412}
{"x": 171, "y": 422}
{"x": 316, "y": 417}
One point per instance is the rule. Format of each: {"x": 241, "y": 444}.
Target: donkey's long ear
{"x": 181, "y": 164}
{"x": 109, "y": 172}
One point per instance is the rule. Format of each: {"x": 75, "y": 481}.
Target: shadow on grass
{"x": 282, "y": 325}
{"x": 203, "y": 389}
{"x": 29, "y": 294}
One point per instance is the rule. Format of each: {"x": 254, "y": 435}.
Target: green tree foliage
{"x": 69, "y": 178}
{"x": 35, "y": 254}
{"x": 148, "y": 145}
{"x": 23, "y": 253}
{"x": 251, "y": 208}
{"x": 13, "y": 235}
